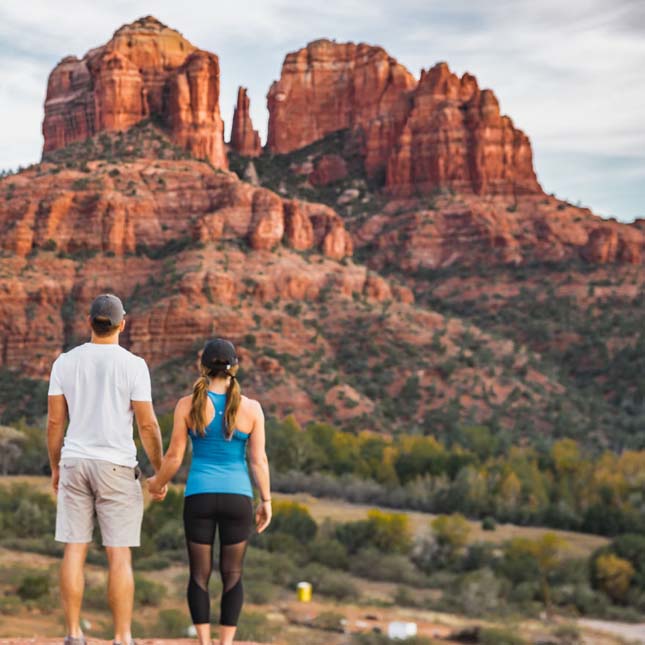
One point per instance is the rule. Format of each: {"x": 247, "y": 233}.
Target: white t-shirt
{"x": 99, "y": 382}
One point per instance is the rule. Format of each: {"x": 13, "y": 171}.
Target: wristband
{"x": 264, "y": 501}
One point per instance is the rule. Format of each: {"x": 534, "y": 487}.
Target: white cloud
{"x": 569, "y": 74}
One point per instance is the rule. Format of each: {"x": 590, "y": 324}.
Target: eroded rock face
{"x": 455, "y": 137}
{"x": 328, "y": 86}
{"x": 244, "y": 139}
{"x": 140, "y": 207}
{"x": 442, "y": 132}
{"x": 146, "y": 69}
{"x": 466, "y": 231}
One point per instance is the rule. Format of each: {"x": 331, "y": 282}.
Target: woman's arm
{"x": 260, "y": 468}
{"x": 176, "y": 450}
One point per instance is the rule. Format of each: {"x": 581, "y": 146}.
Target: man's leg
{"x": 121, "y": 591}
{"x": 72, "y": 584}
{"x": 119, "y": 509}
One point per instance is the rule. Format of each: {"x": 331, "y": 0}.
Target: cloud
{"x": 569, "y": 74}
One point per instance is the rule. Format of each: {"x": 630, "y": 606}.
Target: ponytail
{"x": 197, "y": 416}
{"x": 233, "y": 398}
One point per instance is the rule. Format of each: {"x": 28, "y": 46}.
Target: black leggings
{"x": 203, "y": 513}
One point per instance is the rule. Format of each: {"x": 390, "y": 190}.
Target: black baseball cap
{"x": 107, "y": 308}
{"x": 219, "y": 354}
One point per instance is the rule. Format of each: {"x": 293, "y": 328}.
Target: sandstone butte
{"x": 244, "y": 139}
{"x": 439, "y": 132}
{"x": 145, "y": 71}
{"x": 197, "y": 252}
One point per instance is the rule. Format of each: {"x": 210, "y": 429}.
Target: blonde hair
{"x": 197, "y": 416}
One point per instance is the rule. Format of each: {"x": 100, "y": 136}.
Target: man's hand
{"x": 55, "y": 479}
{"x": 158, "y": 493}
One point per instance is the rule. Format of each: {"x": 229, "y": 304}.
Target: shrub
{"x": 489, "y": 524}
{"x": 499, "y": 636}
{"x": 96, "y": 598}
{"x": 294, "y": 519}
{"x": 329, "y": 621}
{"x": 256, "y": 627}
{"x": 336, "y": 584}
{"x": 374, "y": 565}
{"x": 34, "y": 586}
{"x": 148, "y": 593}
{"x": 172, "y": 623}
{"x": 568, "y": 635}
{"x": 329, "y": 552}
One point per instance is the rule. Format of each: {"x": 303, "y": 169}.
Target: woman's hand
{"x": 263, "y": 516}
{"x": 158, "y": 493}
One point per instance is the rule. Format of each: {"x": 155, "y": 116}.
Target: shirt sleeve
{"x": 141, "y": 389}
{"x": 55, "y": 384}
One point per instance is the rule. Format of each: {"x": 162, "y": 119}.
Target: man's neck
{"x": 105, "y": 340}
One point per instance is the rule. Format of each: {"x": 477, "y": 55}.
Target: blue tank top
{"x": 219, "y": 464}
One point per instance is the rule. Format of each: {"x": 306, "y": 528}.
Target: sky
{"x": 570, "y": 74}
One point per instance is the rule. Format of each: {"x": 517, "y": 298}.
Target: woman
{"x": 221, "y": 423}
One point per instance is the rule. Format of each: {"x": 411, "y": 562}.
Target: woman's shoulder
{"x": 252, "y": 405}
{"x": 184, "y": 403}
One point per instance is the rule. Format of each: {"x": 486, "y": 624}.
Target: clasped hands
{"x": 158, "y": 493}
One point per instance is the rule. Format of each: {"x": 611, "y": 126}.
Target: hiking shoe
{"x": 72, "y": 640}
{"x": 119, "y": 643}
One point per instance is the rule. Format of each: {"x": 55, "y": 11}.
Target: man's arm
{"x": 56, "y": 423}
{"x": 149, "y": 431}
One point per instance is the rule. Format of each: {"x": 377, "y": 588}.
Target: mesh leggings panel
{"x": 203, "y": 513}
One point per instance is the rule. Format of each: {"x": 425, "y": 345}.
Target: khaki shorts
{"x": 113, "y": 492}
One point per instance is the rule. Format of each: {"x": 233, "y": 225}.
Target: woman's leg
{"x": 199, "y": 526}
{"x": 235, "y": 519}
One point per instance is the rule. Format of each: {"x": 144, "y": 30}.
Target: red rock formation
{"x": 126, "y": 80}
{"x": 443, "y": 132}
{"x": 244, "y": 139}
{"x": 466, "y": 230}
{"x": 330, "y": 86}
{"x": 146, "y": 206}
{"x": 455, "y": 137}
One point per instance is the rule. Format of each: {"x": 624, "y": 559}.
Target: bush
{"x": 330, "y": 621}
{"x": 170, "y": 537}
{"x": 499, "y": 636}
{"x": 568, "y": 635}
{"x": 172, "y": 623}
{"x": 152, "y": 563}
{"x": 96, "y": 598}
{"x": 255, "y": 626}
{"x": 373, "y": 565}
{"x": 489, "y": 524}
{"x": 148, "y": 593}
{"x": 293, "y": 519}
{"x": 336, "y": 584}
{"x": 33, "y": 587}
{"x": 259, "y": 592}
{"x": 329, "y": 552}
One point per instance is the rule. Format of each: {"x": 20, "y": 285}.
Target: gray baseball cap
{"x": 107, "y": 307}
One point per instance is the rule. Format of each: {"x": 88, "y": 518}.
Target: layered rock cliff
{"x": 455, "y": 137}
{"x": 122, "y": 208}
{"x": 145, "y": 70}
{"x": 329, "y": 86}
{"x": 440, "y": 132}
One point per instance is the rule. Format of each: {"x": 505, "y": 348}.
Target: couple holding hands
{"x": 95, "y": 390}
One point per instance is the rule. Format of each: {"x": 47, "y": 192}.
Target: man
{"x": 98, "y": 386}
